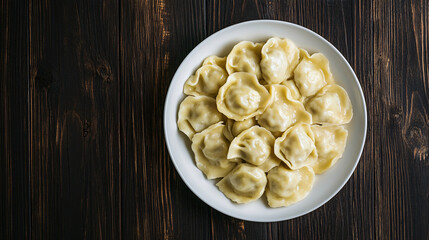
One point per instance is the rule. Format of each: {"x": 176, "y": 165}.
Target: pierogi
{"x": 265, "y": 119}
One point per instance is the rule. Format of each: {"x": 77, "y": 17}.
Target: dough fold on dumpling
{"x": 211, "y": 148}
{"x": 206, "y": 81}
{"x": 245, "y": 57}
{"x": 233, "y": 128}
{"x": 296, "y": 146}
{"x": 215, "y": 60}
{"x": 255, "y": 146}
{"x": 242, "y": 97}
{"x": 286, "y": 186}
{"x": 312, "y": 73}
{"x": 283, "y": 112}
{"x": 279, "y": 59}
{"x": 296, "y": 95}
{"x": 197, "y": 114}
{"x": 330, "y": 143}
{"x": 331, "y": 105}
{"x": 245, "y": 183}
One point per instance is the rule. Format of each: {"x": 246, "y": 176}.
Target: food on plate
{"x": 286, "y": 186}
{"x": 254, "y": 146}
{"x": 245, "y": 183}
{"x": 210, "y": 148}
{"x": 242, "y": 97}
{"x": 331, "y": 105}
{"x": 197, "y": 114}
{"x": 283, "y": 112}
{"x": 296, "y": 147}
{"x": 265, "y": 119}
{"x": 330, "y": 143}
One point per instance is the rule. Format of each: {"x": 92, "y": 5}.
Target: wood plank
{"x": 14, "y": 181}
{"x": 155, "y": 37}
{"x": 362, "y": 184}
{"x": 74, "y": 131}
{"x": 400, "y": 105}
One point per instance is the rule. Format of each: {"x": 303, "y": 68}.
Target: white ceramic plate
{"x": 220, "y": 44}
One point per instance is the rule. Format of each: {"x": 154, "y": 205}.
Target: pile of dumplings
{"x": 265, "y": 119}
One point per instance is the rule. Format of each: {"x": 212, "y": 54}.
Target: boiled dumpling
{"x": 255, "y": 146}
{"x": 296, "y": 146}
{"x": 286, "y": 187}
{"x": 211, "y": 148}
{"x": 312, "y": 73}
{"x": 330, "y": 142}
{"x": 279, "y": 59}
{"x": 233, "y": 128}
{"x": 207, "y": 79}
{"x": 197, "y": 114}
{"x": 296, "y": 95}
{"x": 245, "y": 57}
{"x": 245, "y": 183}
{"x": 283, "y": 112}
{"x": 215, "y": 60}
{"x": 242, "y": 97}
{"x": 330, "y": 106}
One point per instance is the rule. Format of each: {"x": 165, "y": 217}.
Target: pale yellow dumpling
{"x": 255, "y": 146}
{"x": 283, "y": 111}
{"x": 279, "y": 59}
{"x": 295, "y": 94}
{"x": 242, "y": 97}
{"x": 245, "y": 57}
{"x": 197, "y": 114}
{"x": 312, "y": 73}
{"x": 296, "y": 146}
{"x": 330, "y": 106}
{"x": 211, "y": 148}
{"x": 206, "y": 81}
{"x": 245, "y": 183}
{"x": 286, "y": 186}
{"x": 215, "y": 60}
{"x": 330, "y": 143}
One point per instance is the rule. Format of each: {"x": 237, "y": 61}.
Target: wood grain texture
{"x": 75, "y": 166}
{"x": 14, "y": 151}
{"x": 82, "y": 89}
{"x": 155, "y": 38}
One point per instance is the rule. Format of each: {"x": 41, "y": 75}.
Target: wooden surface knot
{"x": 416, "y": 128}
{"x": 104, "y": 71}
{"x": 395, "y": 116}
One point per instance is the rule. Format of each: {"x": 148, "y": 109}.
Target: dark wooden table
{"x": 82, "y": 87}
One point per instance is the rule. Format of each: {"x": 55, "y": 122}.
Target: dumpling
{"x": 197, "y": 114}
{"x": 296, "y": 146}
{"x": 279, "y": 59}
{"x": 286, "y": 187}
{"x": 296, "y": 95}
{"x": 283, "y": 111}
{"x": 330, "y": 142}
{"x": 236, "y": 127}
{"x": 215, "y": 60}
{"x": 207, "y": 79}
{"x": 246, "y": 183}
{"x": 312, "y": 73}
{"x": 330, "y": 106}
{"x": 255, "y": 146}
{"x": 245, "y": 57}
{"x": 242, "y": 97}
{"x": 211, "y": 148}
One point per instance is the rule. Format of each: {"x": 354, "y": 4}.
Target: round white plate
{"x": 220, "y": 44}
